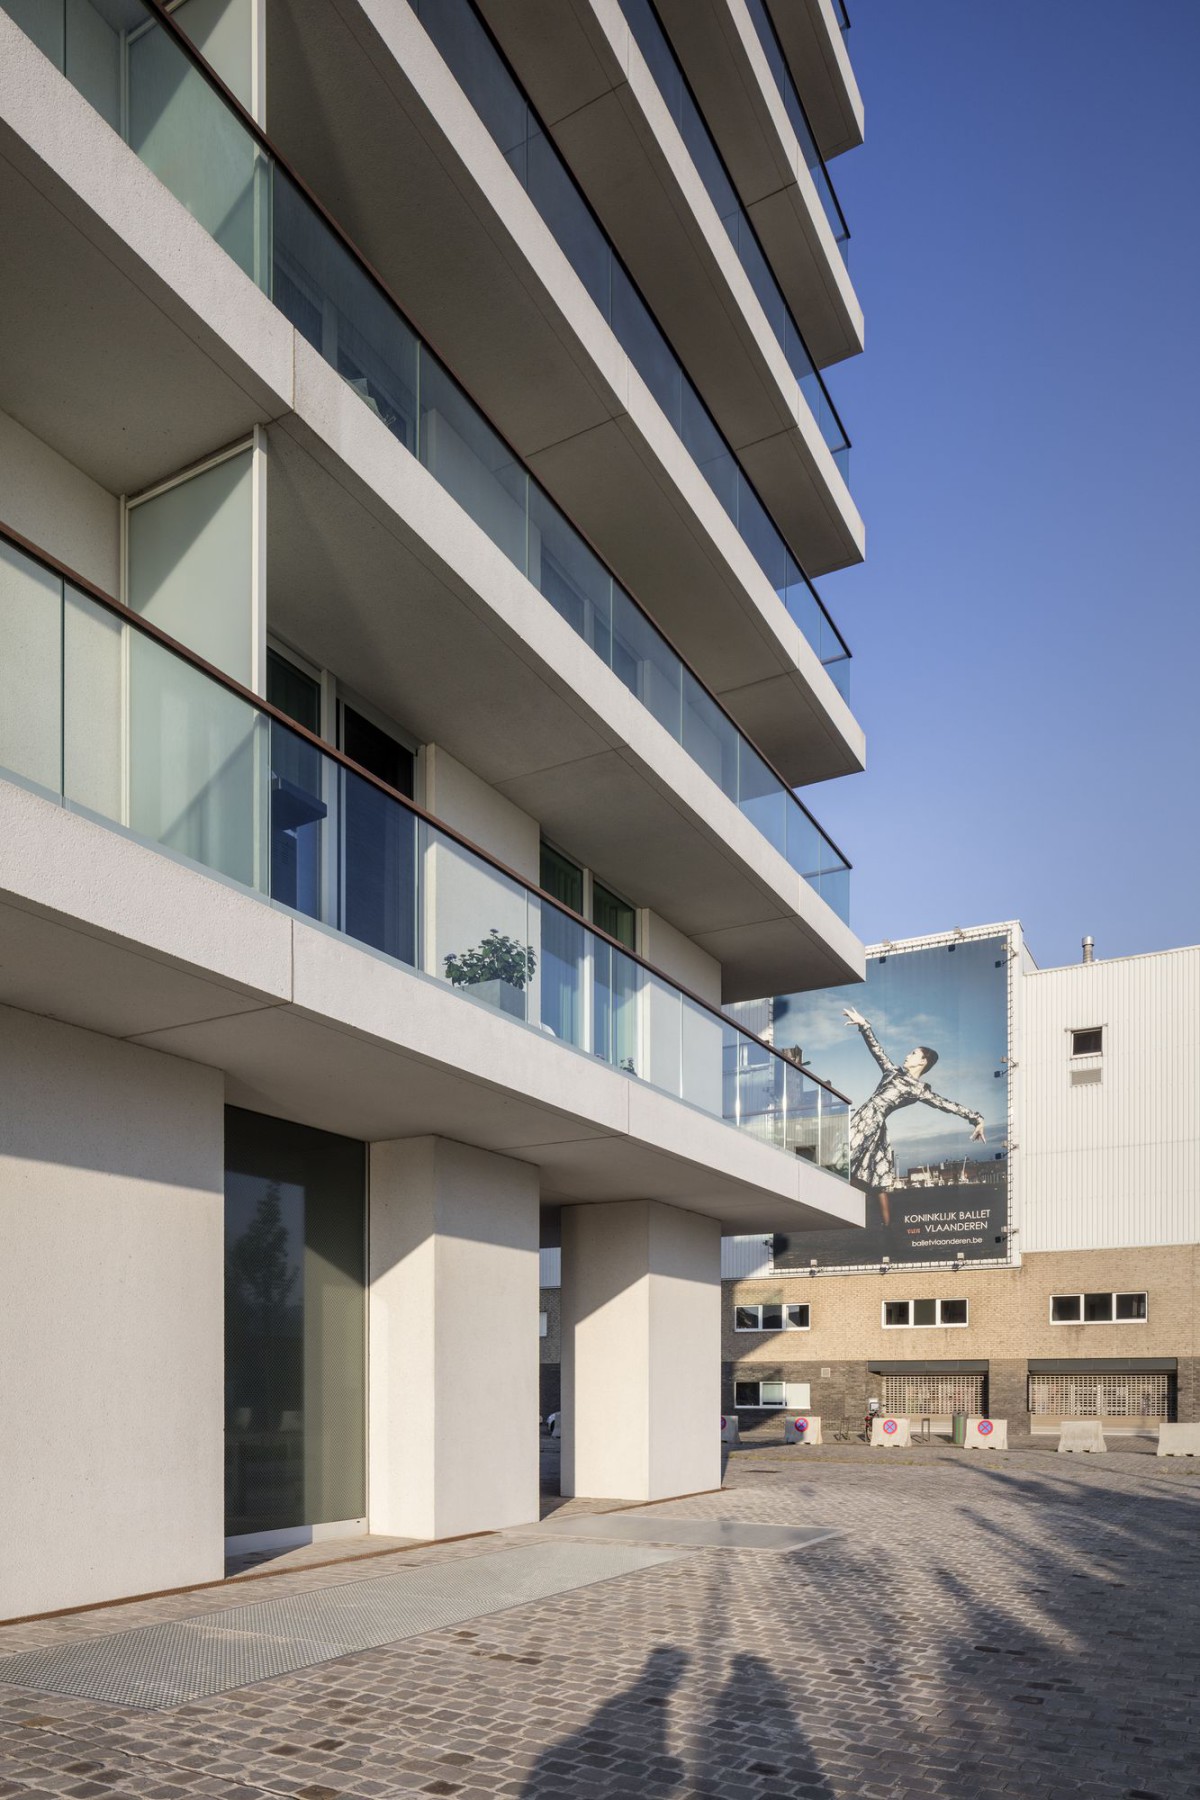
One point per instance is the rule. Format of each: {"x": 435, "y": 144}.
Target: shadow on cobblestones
{"x": 626, "y": 1736}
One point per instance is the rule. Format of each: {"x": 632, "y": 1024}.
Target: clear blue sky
{"x": 1026, "y": 419}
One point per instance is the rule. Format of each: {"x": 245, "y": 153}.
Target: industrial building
{"x": 416, "y": 459}
{"x": 1079, "y": 1294}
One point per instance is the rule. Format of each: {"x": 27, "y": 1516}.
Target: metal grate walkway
{"x": 700, "y": 1534}
{"x": 159, "y": 1666}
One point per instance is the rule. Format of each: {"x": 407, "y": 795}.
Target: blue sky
{"x": 1025, "y": 423}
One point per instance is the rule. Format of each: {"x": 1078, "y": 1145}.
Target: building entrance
{"x": 295, "y": 1325}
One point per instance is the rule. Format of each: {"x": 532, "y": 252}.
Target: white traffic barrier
{"x": 893, "y": 1432}
{"x": 986, "y": 1434}
{"x": 801, "y": 1428}
{"x": 1179, "y": 1440}
{"x": 1082, "y": 1434}
{"x": 729, "y": 1428}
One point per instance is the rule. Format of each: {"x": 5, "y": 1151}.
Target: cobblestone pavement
{"x": 987, "y": 1626}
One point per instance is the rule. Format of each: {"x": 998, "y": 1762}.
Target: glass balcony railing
{"x": 643, "y": 20}
{"x": 117, "y": 721}
{"x": 768, "y": 37}
{"x": 184, "y": 130}
{"x": 483, "y": 74}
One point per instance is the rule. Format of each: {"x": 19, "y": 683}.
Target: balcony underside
{"x": 371, "y": 568}
{"x": 816, "y": 51}
{"x": 750, "y": 123}
{"x": 610, "y": 122}
{"x": 539, "y": 358}
{"x": 309, "y": 1026}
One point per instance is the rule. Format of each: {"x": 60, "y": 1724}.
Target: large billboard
{"x": 921, "y": 1049}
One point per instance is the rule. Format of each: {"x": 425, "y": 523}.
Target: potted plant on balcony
{"x": 497, "y": 971}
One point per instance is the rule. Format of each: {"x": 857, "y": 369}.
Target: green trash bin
{"x": 960, "y": 1429}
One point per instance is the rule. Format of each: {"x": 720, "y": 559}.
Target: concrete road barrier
{"x": 801, "y": 1428}
{"x": 986, "y": 1434}
{"x": 729, "y": 1428}
{"x": 1081, "y": 1434}
{"x": 890, "y": 1432}
{"x": 1179, "y": 1440}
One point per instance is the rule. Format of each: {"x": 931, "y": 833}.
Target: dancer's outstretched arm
{"x": 854, "y": 1017}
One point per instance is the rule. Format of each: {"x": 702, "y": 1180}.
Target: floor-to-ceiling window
{"x": 295, "y": 1325}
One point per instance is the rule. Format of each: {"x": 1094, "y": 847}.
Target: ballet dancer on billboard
{"x": 872, "y": 1162}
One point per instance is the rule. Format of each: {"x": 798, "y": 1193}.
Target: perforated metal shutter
{"x": 1146, "y": 1396}
{"x": 932, "y": 1395}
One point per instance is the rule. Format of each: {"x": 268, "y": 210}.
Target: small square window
{"x": 1065, "y": 1309}
{"x": 745, "y": 1393}
{"x": 772, "y": 1318}
{"x": 746, "y": 1318}
{"x": 895, "y": 1312}
{"x": 1089, "y": 1042}
{"x": 770, "y": 1393}
{"x": 1131, "y": 1306}
{"x": 797, "y": 1318}
{"x": 924, "y": 1312}
{"x": 1097, "y": 1308}
{"x": 954, "y": 1312}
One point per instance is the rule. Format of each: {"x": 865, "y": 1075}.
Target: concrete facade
{"x": 303, "y": 1057}
{"x": 640, "y": 1315}
{"x": 111, "y": 1246}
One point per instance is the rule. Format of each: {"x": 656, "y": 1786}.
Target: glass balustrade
{"x": 485, "y": 78}
{"x": 768, "y": 37}
{"x": 207, "y": 157}
{"x": 102, "y": 714}
{"x": 643, "y": 20}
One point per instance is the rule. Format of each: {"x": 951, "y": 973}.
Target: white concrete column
{"x": 453, "y": 1340}
{"x": 641, "y": 1351}
{"x": 111, "y": 1305}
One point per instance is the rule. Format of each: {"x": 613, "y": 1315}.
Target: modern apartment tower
{"x": 414, "y": 461}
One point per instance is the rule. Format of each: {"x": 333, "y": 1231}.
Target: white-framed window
{"x": 771, "y": 1317}
{"x": 747, "y": 1395}
{"x": 1087, "y": 1040}
{"x": 899, "y": 1315}
{"x": 543, "y": 1325}
{"x": 1099, "y": 1309}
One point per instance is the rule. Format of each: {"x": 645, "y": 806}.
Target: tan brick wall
{"x": 1008, "y": 1315}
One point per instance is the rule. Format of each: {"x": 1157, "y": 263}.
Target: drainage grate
{"x": 717, "y": 1534}
{"x": 157, "y": 1666}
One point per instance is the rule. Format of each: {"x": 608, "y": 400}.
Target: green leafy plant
{"x": 498, "y": 958}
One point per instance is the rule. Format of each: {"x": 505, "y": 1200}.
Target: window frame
{"x": 938, "y": 1323}
{"x": 762, "y": 1405}
{"x": 1124, "y": 1293}
{"x": 758, "y": 1306}
{"x": 1078, "y": 1031}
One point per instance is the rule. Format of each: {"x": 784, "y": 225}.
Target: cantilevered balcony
{"x": 813, "y": 35}
{"x": 288, "y": 245}
{"x": 677, "y": 315}
{"x": 733, "y": 59}
{"x": 123, "y": 727}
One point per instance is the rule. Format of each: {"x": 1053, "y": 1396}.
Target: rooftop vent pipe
{"x": 1089, "y": 950}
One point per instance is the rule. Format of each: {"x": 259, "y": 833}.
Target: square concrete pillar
{"x": 641, "y": 1351}
{"x": 452, "y": 1372}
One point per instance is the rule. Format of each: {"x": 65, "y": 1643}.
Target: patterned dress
{"x": 872, "y": 1163}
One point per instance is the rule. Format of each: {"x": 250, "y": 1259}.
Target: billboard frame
{"x": 1008, "y": 1254}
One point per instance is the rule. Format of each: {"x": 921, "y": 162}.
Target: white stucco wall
{"x": 55, "y": 505}
{"x": 641, "y": 1368}
{"x": 111, "y": 1318}
{"x": 453, "y": 1340}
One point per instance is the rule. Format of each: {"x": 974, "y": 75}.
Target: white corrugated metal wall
{"x": 1114, "y": 1161}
